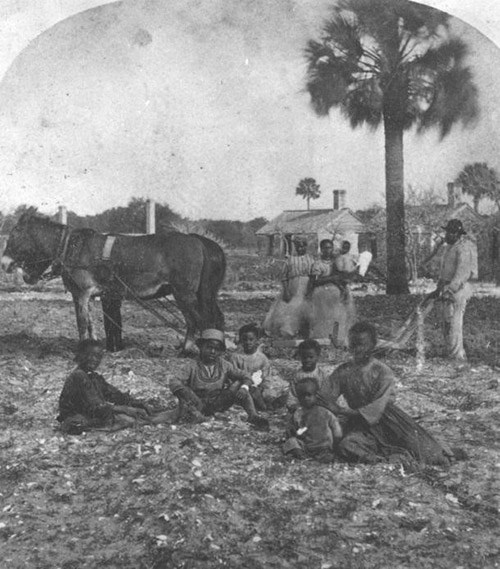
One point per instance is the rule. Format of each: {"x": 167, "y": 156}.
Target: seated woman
{"x": 287, "y": 316}
{"x": 88, "y": 401}
{"x": 332, "y": 304}
{"x": 374, "y": 427}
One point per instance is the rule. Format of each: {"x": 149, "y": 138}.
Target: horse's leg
{"x": 81, "y": 301}
{"x": 111, "y": 308}
{"x": 219, "y": 316}
{"x": 117, "y": 326}
{"x": 212, "y": 316}
{"x": 107, "y": 322}
{"x": 188, "y": 305}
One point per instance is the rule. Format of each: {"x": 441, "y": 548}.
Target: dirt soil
{"x": 221, "y": 494}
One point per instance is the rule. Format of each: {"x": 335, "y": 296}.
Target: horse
{"x": 117, "y": 266}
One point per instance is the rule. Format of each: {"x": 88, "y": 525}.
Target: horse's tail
{"x": 211, "y": 279}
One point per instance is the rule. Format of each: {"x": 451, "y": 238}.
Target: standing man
{"x": 454, "y": 290}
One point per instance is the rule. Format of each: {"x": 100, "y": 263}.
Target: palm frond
{"x": 456, "y": 100}
{"x": 343, "y": 33}
{"x": 448, "y": 54}
{"x": 364, "y": 103}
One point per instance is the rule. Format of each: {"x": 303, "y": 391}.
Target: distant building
{"x": 339, "y": 224}
{"x": 424, "y": 235}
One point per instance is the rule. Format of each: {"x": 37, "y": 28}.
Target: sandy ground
{"x": 221, "y": 494}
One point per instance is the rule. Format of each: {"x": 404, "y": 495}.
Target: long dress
{"x": 332, "y": 311}
{"x": 381, "y": 427}
{"x": 290, "y": 319}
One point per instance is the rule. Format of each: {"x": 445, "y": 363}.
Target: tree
{"x": 479, "y": 181}
{"x": 391, "y": 62}
{"x": 308, "y": 189}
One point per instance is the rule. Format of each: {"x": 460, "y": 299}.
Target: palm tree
{"x": 479, "y": 181}
{"x": 391, "y": 62}
{"x": 308, "y": 189}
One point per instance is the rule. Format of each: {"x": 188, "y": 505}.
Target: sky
{"x": 200, "y": 104}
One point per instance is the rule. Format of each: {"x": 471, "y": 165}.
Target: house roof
{"x": 313, "y": 221}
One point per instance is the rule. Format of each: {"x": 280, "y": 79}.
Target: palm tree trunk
{"x": 307, "y": 201}
{"x": 397, "y": 282}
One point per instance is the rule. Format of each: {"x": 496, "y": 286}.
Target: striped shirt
{"x": 297, "y": 266}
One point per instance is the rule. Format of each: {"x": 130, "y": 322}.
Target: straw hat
{"x": 211, "y": 334}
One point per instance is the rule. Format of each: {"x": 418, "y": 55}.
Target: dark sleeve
{"x": 81, "y": 395}
{"x": 331, "y": 389}
{"x": 334, "y": 426}
{"x": 70, "y": 400}
{"x": 115, "y": 396}
{"x": 384, "y": 391}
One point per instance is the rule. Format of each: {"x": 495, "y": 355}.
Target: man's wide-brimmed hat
{"x": 211, "y": 334}
{"x": 455, "y": 226}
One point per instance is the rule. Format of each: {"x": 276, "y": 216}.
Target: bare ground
{"x": 220, "y": 494}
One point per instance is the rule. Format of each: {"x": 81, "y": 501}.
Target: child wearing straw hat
{"x": 211, "y": 384}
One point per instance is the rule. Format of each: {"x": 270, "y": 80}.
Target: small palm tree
{"x": 308, "y": 189}
{"x": 479, "y": 181}
{"x": 391, "y": 63}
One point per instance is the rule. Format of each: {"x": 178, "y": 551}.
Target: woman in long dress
{"x": 288, "y": 314}
{"x": 374, "y": 427}
{"x": 332, "y": 304}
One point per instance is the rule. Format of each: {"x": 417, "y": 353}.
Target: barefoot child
{"x": 309, "y": 352}
{"x": 211, "y": 384}
{"x": 312, "y": 429}
{"x": 254, "y": 362}
{"x": 88, "y": 401}
{"x": 375, "y": 428}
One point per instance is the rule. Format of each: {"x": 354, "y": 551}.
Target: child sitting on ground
{"x": 312, "y": 429}
{"x": 88, "y": 401}
{"x": 309, "y": 352}
{"x": 211, "y": 384}
{"x": 254, "y": 362}
{"x": 375, "y": 429}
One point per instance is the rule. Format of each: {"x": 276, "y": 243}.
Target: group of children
{"x": 369, "y": 429}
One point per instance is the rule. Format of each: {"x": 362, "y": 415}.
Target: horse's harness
{"x": 58, "y": 264}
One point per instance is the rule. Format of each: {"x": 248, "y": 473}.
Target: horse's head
{"x": 24, "y": 249}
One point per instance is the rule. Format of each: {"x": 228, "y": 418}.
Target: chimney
{"x": 339, "y": 199}
{"x": 454, "y": 194}
{"x": 62, "y": 215}
{"x": 150, "y": 217}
